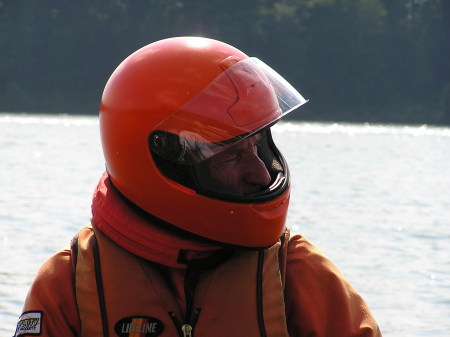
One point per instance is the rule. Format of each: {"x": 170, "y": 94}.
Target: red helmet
{"x": 174, "y": 104}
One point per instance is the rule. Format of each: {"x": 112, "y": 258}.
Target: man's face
{"x": 239, "y": 167}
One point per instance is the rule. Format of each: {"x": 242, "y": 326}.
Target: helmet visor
{"x": 243, "y": 100}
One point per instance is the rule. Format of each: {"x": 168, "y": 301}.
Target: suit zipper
{"x": 186, "y": 329}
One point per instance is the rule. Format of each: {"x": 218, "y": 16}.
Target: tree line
{"x": 356, "y": 60}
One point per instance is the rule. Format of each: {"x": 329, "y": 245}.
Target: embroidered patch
{"x": 29, "y": 324}
{"x": 141, "y": 326}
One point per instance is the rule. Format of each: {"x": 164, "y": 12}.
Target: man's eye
{"x": 229, "y": 158}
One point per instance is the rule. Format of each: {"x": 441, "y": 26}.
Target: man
{"x": 188, "y": 233}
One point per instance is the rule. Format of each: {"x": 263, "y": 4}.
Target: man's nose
{"x": 256, "y": 172}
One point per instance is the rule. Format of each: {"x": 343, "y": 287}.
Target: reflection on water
{"x": 374, "y": 198}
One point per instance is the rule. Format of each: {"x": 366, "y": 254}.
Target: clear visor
{"x": 243, "y": 100}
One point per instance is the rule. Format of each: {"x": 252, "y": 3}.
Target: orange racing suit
{"x": 177, "y": 286}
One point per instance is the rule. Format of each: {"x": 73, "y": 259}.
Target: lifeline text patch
{"x": 29, "y": 324}
{"x": 141, "y": 326}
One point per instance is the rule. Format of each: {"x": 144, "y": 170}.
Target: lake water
{"x": 375, "y": 198}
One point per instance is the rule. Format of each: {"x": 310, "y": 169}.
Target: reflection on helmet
{"x": 244, "y": 99}
{"x": 174, "y": 106}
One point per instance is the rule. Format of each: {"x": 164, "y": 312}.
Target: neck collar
{"x": 129, "y": 229}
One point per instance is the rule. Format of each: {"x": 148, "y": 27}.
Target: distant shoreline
{"x": 300, "y": 118}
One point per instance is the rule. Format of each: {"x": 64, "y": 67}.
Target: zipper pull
{"x": 187, "y": 330}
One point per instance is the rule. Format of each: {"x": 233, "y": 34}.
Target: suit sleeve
{"x": 50, "y": 307}
{"x": 320, "y": 302}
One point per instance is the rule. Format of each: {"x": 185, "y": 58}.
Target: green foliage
{"x": 365, "y": 60}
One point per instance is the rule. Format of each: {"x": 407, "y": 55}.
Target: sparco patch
{"x": 140, "y": 326}
{"x": 29, "y": 324}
